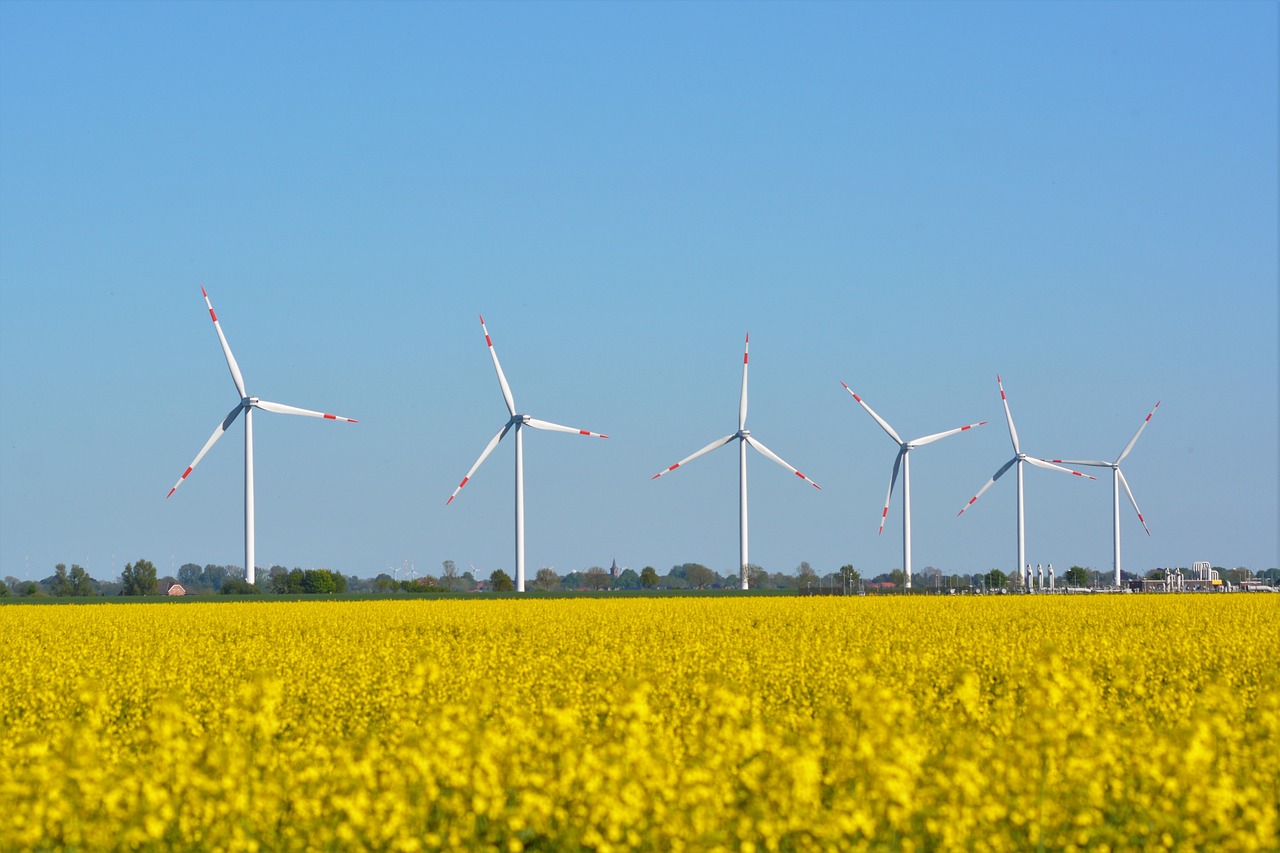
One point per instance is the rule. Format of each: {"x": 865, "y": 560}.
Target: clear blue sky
{"x": 906, "y": 197}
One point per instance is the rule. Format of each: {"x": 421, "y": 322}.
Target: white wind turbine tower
{"x": 518, "y": 421}
{"x": 1018, "y": 457}
{"x": 247, "y": 404}
{"x": 1118, "y": 480}
{"x": 903, "y": 461}
{"x": 744, "y": 438}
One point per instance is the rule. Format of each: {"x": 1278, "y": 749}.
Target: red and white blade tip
{"x": 330, "y": 417}
{"x": 851, "y": 392}
{"x": 807, "y": 480}
{"x": 188, "y": 471}
{"x": 203, "y": 293}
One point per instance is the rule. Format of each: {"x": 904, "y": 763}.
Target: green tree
{"x": 138, "y": 578}
{"x": 449, "y": 577}
{"x": 997, "y": 579}
{"x": 500, "y": 581}
{"x": 4, "y": 589}
{"x": 239, "y": 586}
{"x": 318, "y": 581}
{"x": 850, "y": 575}
{"x": 699, "y": 576}
{"x": 597, "y": 578}
{"x": 546, "y": 580}
{"x": 189, "y": 575}
{"x": 213, "y": 576}
{"x": 757, "y": 577}
{"x": 340, "y": 582}
{"x": 1076, "y": 576}
{"x": 806, "y": 576}
{"x": 649, "y": 577}
{"x": 1155, "y": 575}
{"x": 59, "y": 584}
{"x": 627, "y": 579}
{"x": 81, "y": 583}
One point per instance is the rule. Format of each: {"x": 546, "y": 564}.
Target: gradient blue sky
{"x": 907, "y": 197}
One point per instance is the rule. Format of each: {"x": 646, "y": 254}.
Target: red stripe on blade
{"x": 213, "y": 315}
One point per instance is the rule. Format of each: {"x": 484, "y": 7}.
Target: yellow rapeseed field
{"x": 1120, "y": 722}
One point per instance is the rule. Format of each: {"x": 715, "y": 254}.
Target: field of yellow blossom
{"x": 1110, "y": 722}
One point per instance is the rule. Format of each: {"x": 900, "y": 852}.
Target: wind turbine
{"x": 247, "y": 404}
{"x": 744, "y": 437}
{"x": 1018, "y": 458}
{"x": 1118, "y": 480}
{"x": 903, "y": 460}
{"x": 518, "y": 421}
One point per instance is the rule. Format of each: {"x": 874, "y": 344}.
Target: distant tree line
{"x": 139, "y": 578}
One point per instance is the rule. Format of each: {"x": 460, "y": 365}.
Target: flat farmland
{"x": 1121, "y": 722}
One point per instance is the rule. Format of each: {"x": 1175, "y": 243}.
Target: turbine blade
{"x": 236, "y": 377}
{"x": 1133, "y": 500}
{"x": 1013, "y": 433}
{"x": 488, "y": 448}
{"x": 1134, "y": 440}
{"x": 751, "y": 440}
{"x": 883, "y": 423}
{"x": 1005, "y": 467}
{"x": 281, "y": 408}
{"x": 217, "y": 434}
{"x": 742, "y": 401}
{"x": 502, "y": 379}
{"x": 930, "y": 439}
{"x": 1089, "y": 463}
{"x": 897, "y": 463}
{"x": 1041, "y": 463}
{"x": 719, "y": 442}
{"x": 537, "y": 424}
